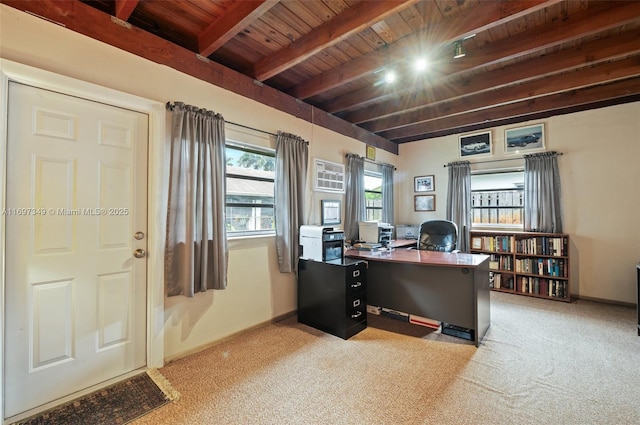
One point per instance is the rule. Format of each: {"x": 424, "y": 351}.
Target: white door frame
{"x": 13, "y": 71}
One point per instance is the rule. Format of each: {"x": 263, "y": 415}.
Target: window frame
{"x": 497, "y": 189}
{"x": 258, "y": 150}
{"x": 378, "y": 175}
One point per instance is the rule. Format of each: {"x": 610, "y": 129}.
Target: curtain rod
{"x": 171, "y": 105}
{"x": 370, "y": 161}
{"x": 500, "y": 160}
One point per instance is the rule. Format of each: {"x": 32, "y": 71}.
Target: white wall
{"x": 600, "y": 179}
{"x": 257, "y": 292}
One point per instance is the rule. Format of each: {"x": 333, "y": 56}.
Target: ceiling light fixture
{"x": 458, "y": 50}
{"x": 421, "y": 64}
{"x": 390, "y": 77}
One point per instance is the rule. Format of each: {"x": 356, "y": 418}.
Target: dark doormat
{"x": 120, "y": 403}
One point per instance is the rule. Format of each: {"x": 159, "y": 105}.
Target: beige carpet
{"x": 542, "y": 362}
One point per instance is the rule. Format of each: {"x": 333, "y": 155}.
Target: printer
{"x": 375, "y": 232}
{"x": 321, "y": 243}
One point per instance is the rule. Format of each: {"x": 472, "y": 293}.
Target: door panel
{"x": 75, "y": 294}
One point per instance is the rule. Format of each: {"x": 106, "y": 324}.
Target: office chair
{"x": 438, "y": 235}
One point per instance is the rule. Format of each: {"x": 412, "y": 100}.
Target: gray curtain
{"x": 387, "y": 193}
{"x": 459, "y": 201}
{"x": 355, "y": 210}
{"x": 196, "y": 254}
{"x": 292, "y": 158}
{"x": 542, "y": 209}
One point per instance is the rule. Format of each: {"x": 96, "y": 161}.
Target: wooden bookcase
{"x": 526, "y": 263}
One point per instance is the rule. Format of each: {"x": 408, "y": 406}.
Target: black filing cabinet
{"x": 332, "y": 296}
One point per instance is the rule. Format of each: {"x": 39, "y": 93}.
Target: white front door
{"x": 76, "y": 199}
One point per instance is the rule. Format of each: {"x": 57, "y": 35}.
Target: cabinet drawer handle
{"x": 355, "y": 316}
{"x": 356, "y": 273}
{"x": 357, "y": 284}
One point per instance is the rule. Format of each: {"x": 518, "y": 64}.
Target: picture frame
{"x": 476, "y": 242}
{"x": 424, "y": 202}
{"x": 524, "y": 139}
{"x": 424, "y": 183}
{"x": 476, "y": 144}
{"x": 331, "y": 211}
{"x": 371, "y": 153}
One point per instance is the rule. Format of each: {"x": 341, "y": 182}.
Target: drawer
{"x": 356, "y": 281}
{"x": 356, "y": 310}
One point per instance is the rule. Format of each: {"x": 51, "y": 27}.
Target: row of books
{"x": 541, "y": 286}
{"x": 542, "y": 245}
{"x": 500, "y": 262}
{"x": 492, "y": 243}
{"x": 498, "y": 280}
{"x": 508, "y": 198}
{"x": 542, "y": 266}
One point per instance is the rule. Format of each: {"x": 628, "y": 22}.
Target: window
{"x": 250, "y": 190}
{"x": 497, "y": 199}
{"x": 373, "y": 195}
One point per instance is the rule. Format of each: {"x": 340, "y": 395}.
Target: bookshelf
{"x": 526, "y": 263}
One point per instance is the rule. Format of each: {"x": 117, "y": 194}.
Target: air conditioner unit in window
{"x": 328, "y": 176}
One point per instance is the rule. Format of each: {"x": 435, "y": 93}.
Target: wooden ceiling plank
{"x": 84, "y": 19}
{"x": 350, "y": 22}
{"x": 238, "y": 16}
{"x": 476, "y": 19}
{"x": 509, "y": 48}
{"x": 124, "y": 8}
{"x": 519, "y": 111}
{"x": 439, "y": 90}
{"x": 590, "y": 76}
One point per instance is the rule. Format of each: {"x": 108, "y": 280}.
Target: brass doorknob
{"x": 139, "y": 253}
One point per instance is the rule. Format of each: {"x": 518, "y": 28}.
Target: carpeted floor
{"x": 117, "y": 404}
{"x": 542, "y": 362}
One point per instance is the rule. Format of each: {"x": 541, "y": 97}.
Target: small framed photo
{"x": 330, "y": 212}
{"x": 520, "y": 139}
{"x": 371, "y": 152}
{"x": 424, "y": 183}
{"x": 476, "y": 242}
{"x": 476, "y": 144}
{"x": 424, "y": 202}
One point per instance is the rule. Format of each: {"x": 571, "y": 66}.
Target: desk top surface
{"x": 402, "y": 243}
{"x": 416, "y": 256}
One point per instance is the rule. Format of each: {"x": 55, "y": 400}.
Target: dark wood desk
{"x": 449, "y": 287}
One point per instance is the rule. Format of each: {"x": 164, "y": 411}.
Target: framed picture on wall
{"x": 424, "y": 184}
{"x": 475, "y": 144}
{"x": 424, "y": 202}
{"x": 330, "y": 211}
{"x": 521, "y": 139}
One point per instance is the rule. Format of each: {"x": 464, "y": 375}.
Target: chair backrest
{"x": 438, "y": 235}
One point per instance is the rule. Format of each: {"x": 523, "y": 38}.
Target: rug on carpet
{"x": 120, "y": 403}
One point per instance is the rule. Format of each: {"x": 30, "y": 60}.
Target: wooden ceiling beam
{"x": 351, "y": 21}
{"x": 395, "y": 113}
{"x": 237, "y": 17}
{"x": 480, "y": 17}
{"x": 519, "y": 111}
{"x": 543, "y": 37}
{"x": 124, "y": 8}
{"x": 589, "y": 76}
{"x": 84, "y": 19}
